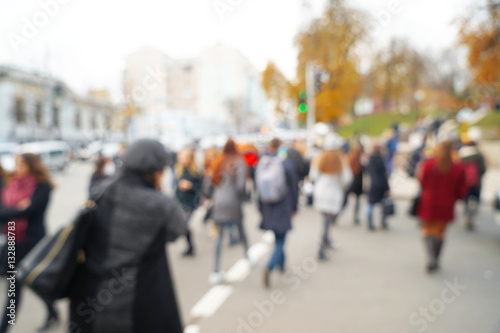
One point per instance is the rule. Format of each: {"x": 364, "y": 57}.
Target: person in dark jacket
{"x": 472, "y": 157}
{"x": 189, "y": 184}
{"x": 99, "y": 171}
{"x": 125, "y": 285}
{"x": 277, "y": 217}
{"x": 354, "y": 157}
{"x": 24, "y": 201}
{"x": 379, "y": 186}
{"x": 301, "y": 165}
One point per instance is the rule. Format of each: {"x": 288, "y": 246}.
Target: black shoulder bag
{"x": 50, "y": 266}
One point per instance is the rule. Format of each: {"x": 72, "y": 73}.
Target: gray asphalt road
{"x": 375, "y": 282}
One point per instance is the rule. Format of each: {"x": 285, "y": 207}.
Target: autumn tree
{"x": 397, "y": 72}
{"x": 480, "y": 34}
{"x": 275, "y": 86}
{"x": 329, "y": 43}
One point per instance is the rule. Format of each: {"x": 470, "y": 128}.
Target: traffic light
{"x": 302, "y": 102}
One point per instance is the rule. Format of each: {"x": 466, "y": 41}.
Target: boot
{"x": 430, "y": 246}
{"x": 322, "y": 255}
{"x": 385, "y": 226}
{"x": 190, "y": 250}
{"x": 439, "y": 245}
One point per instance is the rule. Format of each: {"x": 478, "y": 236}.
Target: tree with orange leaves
{"x": 330, "y": 44}
{"x": 480, "y": 34}
{"x": 275, "y": 86}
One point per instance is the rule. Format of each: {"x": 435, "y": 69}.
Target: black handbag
{"x": 388, "y": 207}
{"x": 414, "y": 206}
{"x": 50, "y": 266}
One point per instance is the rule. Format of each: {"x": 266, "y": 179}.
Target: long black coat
{"x": 35, "y": 214}
{"x": 127, "y": 276}
{"x": 277, "y": 217}
{"x": 378, "y": 175}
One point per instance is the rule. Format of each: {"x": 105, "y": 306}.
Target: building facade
{"x": 216, "y": 92}
{"x": 36, "y": 107}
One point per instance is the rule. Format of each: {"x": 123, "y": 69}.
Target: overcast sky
{"x": 86, "y": 41}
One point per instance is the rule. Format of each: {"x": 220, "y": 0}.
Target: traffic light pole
{"x": 310, "y": 90}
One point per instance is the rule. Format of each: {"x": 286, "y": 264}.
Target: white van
{"x": 55, "y": 154}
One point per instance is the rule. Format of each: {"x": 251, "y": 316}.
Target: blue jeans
{"x": 278, "y": 256}
{"x": 371, "y": 207}
{"x": 218, "y": 247}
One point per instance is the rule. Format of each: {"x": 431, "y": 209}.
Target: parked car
{"x": 55, "y": 154}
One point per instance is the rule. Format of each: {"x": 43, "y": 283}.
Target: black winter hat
{"x": 145, "y": 156}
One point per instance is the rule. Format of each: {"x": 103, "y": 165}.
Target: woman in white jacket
{"x": 331, "y": 175}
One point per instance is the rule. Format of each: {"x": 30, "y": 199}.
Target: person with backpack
{"x": 443, "y": 183}
{"x": 189, "y": 184}
{"x": 331, "y": 176}
{"x": 277, "y": 189}
{"x": 475, "y": 168}
{"x": 126, "y": 284}
{"x": 229, "y": 179}
{"x": 24, "y": 201}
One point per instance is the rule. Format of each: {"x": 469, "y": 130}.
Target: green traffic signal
{"x": 303, "y": 108}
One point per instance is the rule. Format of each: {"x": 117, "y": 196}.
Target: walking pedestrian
{"x": 379, "y": 186}
{"x": 331, "y": 177}
{"x": 24, "y": 201}
{"x": 188, "y": 192}
{"x": 277, "y": 188}
{"x": 126, "y": 284}
{"x": 300, "y": 163}
{"x": 229, "y": 181}
{"x": 391, "y": 149}
{"x": 443, "y": 183}
{"x": 100, "y": 172}
{"x": 356, "y": 187}
{"x": 3, "y": 177}
{"x": 475, "y": 168}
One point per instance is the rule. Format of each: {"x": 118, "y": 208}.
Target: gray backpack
{"x": 270, "y": 179}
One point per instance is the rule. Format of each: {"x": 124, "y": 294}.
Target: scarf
{"x": 17, "y": 190}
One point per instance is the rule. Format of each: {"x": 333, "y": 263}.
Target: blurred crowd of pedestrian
{"x": 135, "y": 219}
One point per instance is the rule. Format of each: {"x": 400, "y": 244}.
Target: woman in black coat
{"x": 356, "y": 187}
{"x": 379, "y": 186}
{"x": 125, "y": 285}
{"x": 24, "y": 202}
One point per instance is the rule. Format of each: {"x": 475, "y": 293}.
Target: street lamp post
{"x": 310, "y": 90}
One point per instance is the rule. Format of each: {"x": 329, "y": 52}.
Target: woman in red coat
{"x": 443, "y": 183}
